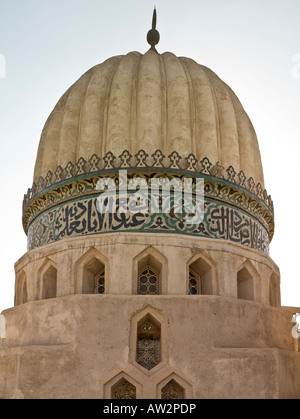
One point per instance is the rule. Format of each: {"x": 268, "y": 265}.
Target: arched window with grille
{"x": 148, "y": 281}
{"x": 148, "y": 350}
{"x": 123, "y": 389}
{"x": 92, "y": 273}
{"x": 149, "y": 276}
{"x": 93, "y": 280}
{"x": 148, "y": 345}
{"x": 150, "y": 268}
{"x": 194, "y": 282}
{"x": 100, "y": 282}
{"x": 172, "y": 390}
{"x": 200, "y": 280}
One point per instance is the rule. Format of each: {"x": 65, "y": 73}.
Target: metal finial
{"x": 153, "y": 35}
{"x": 154, "y": 19}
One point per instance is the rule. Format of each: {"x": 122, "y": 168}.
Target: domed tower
{"x": 124, "y": 292}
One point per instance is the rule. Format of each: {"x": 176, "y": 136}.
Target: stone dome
{"x": 149, "y": 102}
{"x": 153, "y": 115}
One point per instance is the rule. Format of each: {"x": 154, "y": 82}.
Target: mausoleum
{"x": 132, "y": 302}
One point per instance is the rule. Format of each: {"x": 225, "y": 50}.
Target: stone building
{"x": 138, "y": 302}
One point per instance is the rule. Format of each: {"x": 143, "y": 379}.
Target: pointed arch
{"x": 174, "y": 386}
{"x": 91, "y": 273}
{"x": 122, "y": 386}
{"x": 47, "y": 280}
{"x": 172, "y": 390}
{"x": 149, "y": 272}
{"x": 123, "y": 389}
{"x": 148, "y": 342}
{"x": 274, "y": 290}
{"x": 21, "y": 289}
{"x": 201, "y": 275}
{"x": 247, "y": 282}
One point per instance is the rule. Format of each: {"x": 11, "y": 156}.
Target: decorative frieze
{"x": 80, "y": 217}
{"x": 142, "y": 160}
{"x": 64, "y": 203}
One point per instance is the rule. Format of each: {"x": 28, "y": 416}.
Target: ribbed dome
{"x": 150, "y": 102}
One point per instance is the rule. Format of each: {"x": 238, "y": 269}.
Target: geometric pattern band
{"x": 142, "y": 161}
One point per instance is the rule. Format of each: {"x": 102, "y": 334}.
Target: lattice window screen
{"x": 148, "y": 281}
{"x": 100, "y": 282}
{"x": 148, "y": 353}
{"x": 194, "y": 283}
{"x": 124, "y": 390}
{"x": 172, "y": 390}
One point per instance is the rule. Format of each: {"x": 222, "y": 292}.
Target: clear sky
{"x": 253, "y": 45}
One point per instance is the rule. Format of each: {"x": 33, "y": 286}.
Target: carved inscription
{"x": 81, "y": 218}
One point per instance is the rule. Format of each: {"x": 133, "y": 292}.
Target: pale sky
{"x": 252, "y": 45}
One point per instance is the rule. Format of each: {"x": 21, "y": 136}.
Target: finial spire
{"x": 153, "y": 35}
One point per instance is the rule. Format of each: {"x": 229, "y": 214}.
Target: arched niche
{"x": 201, "y": 275}
{"x": 149, "y": 272}
{"x": 173, "y": 387}
{"x": 21, "y": 289}
{"x": 148, "y": 349}
{"x": 247, "y": 282}
{"x": 91, "y": 273}
{"x": 122, "y": 386}
{"x": 47, "y": 280}
{"x": 123, "y": 389}
{"x": 49, "y": 283}
{"x": 148, "y": 342}
{"x": 172, "y": 390}
{"x": 274, "y": 291}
